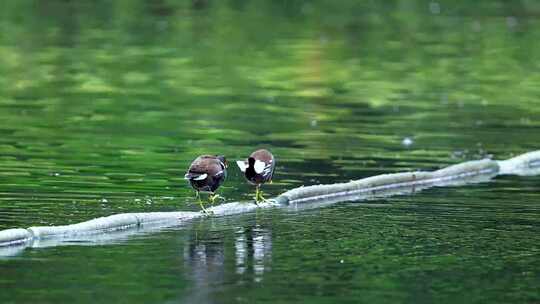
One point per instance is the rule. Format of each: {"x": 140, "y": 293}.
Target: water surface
{"x": 104, "y": 105}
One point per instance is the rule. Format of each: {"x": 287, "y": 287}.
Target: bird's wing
{"x": 202, "y": 167}
{"x": 267, "y": 170}
{"x": 263, "y": 169}
{"x": 259, "y": 166}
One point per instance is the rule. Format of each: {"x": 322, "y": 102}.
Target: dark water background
{"x": 103, "y": 105}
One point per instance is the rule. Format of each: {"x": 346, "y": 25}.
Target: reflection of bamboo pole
{"x": 371, "y": 187}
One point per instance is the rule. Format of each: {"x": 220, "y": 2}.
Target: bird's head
{"x": 223, "y": 160}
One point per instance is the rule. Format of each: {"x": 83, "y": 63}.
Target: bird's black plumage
{"x": 207, "y": 173}
{"x": 259, "y": 167}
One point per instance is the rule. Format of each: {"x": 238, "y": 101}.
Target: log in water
{"x": 14, "y": 240}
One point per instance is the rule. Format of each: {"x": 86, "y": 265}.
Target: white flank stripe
{"x": 201, "y": 177}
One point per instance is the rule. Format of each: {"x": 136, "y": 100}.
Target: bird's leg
{"x": 259, "y": 196}
{"x": 256, "y": 195}
{"x": 201, "y": 203}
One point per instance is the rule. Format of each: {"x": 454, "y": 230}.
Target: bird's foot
{"x": 207, "y": 212}
{"x": 259, "y": 198}
{"x": 214, "y": 197}
{"x": 262, "y": 200}
{"x": 204, "y": 210}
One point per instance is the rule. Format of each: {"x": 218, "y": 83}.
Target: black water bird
{"x": 205, "y": 174}
{"x": 258, "y": 169}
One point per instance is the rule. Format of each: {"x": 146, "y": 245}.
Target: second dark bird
{"x": 258, "y": 169}
{"x": 206, "y": 174}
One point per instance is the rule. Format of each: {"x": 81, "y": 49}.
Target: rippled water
{"x": 104, "y": 105}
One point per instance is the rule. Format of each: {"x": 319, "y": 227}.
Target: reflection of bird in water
{"x": 206, "y": 255}
{"x": 258, "y": 169}
{"x": 205, "y": 174}
{"x": 253, "y": 249}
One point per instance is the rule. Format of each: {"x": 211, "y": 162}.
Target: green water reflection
{"x": 104, "y": 104}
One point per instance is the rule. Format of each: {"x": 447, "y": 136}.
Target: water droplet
{"x": 407, "y": 141}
